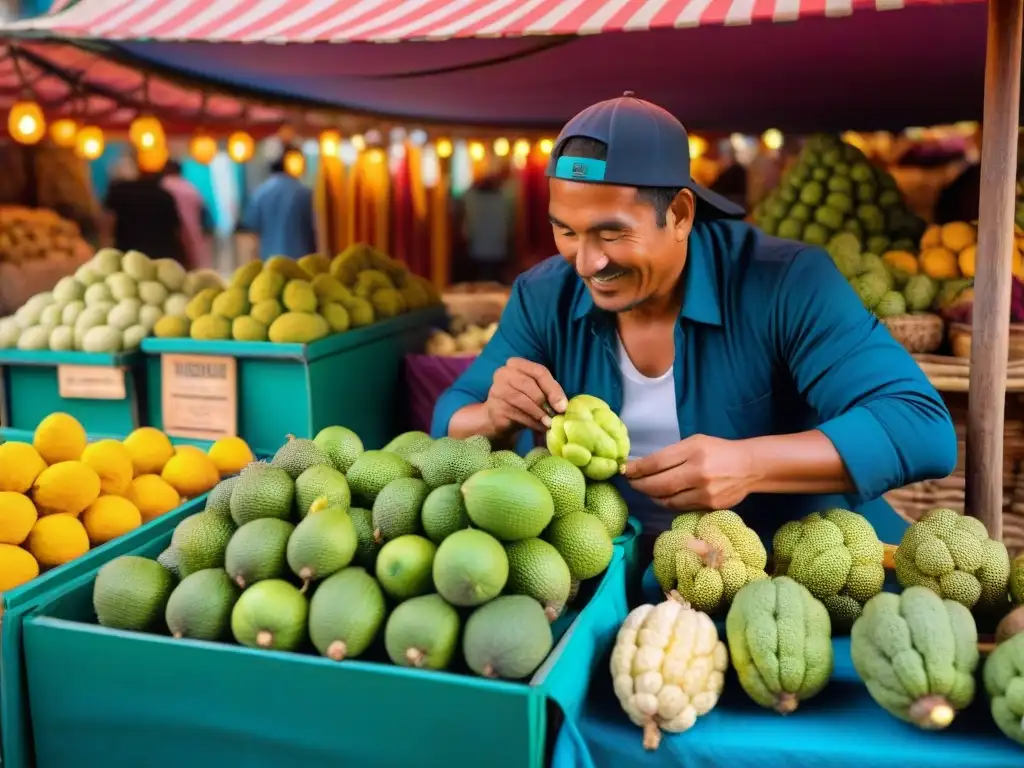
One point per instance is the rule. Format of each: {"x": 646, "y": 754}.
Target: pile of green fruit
{"x": 300, "y": 301}
{"x": 110, "y": 304}
{"x": 834, "y": 188}
{"x": 406, "y": 552}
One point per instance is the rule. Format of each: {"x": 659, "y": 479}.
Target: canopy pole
{"x": 991, "y": 321}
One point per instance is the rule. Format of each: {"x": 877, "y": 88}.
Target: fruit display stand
{"x": 104, "y": 392}
{"x": 15, "y": 604}
{"x": 263, "y": 391}
{"x": 212, "y": 704}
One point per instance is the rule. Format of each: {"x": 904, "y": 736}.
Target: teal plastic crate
{"x": 352, "y": 379}
{"x": 30, "y": 391}
{"x": 101, "y": 697}
{"x": 15, "y": 731}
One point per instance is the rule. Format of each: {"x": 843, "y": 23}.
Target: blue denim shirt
{"x": 771, "y": 340}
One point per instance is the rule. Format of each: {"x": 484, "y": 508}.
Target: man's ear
{"x": 681, "y": 214}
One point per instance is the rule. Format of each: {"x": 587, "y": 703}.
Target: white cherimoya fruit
{"x": 668, "y": 667}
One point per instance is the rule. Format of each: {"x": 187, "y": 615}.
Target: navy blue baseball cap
{"x": 647, "y": 147}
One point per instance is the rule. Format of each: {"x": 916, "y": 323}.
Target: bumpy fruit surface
{"x": 591, "y": 436}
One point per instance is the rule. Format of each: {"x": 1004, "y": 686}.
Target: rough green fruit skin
{"x": 470, "y": 568}
{"x": 297, "y": 455}
{"x": 131, "y": 593}
{"x": 256, "y": 551}
{"x": 200, "y": 606}
{"x": 373, "y": 470}
{"x": 510, "y": 503}
{"x": 583, "y": 542}
{"x": 913, "y": 648}
{"x": 837, "y": 556}
{"x": 1004, "y": 682}
{"x": 408, "y": 444}
{"x": 169, "y": 559}
{"x": 270, "y": 615}
{"x": 534, "y": 455}
{"x": 780, "y": 642}
{"x": 396, "y": 510}
{"x": 507, "y": 459}
{"x": 507, "y": 638}
{"x": 447, "y": 460}
{"x": 404, "y": 566}
{"x": 604, "y": 502}
{"x": 323, "y": 484}
{"x": 341, "y": 445}
{"x": 323, "y": 543}
{"x": 1017, "y": 580}
{"x": 345, "y": 614}
{"x": 952, "y": 555}
{"x": 422, "y": 632}
{"x": 591, "y": 436}
{"x": 366, "y": 551}
{"x": 219, "y": 499}
{"x": 564, "y": 481}
{"x": 443, "y": 513}
{"x": 537, "y": 570}
{"x": 262, "y": 491}
{"x": 200, "y": 541}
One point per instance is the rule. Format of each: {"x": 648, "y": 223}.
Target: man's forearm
{"x": 805, "y": 462}
{"x": 473, "y": 420}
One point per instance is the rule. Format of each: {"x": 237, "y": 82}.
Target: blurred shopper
{"x": 196, "y": 222}
{"x": 141, "y": 215}
{"x": 280, "y": 214}
{"x": 488, "y": 222}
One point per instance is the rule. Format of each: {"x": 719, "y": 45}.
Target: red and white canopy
{"x": 308, "y": 21}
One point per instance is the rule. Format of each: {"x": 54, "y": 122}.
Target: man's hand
{"x": 519, "y": 393}
{"x": 700, "y": 472}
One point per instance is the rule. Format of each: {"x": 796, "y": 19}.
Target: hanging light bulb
{"x": 358, "y": 142}
{"x": 241, "y": 146}
{"x": 546, "y": 145}
{"x": 772, "y": 138}
{"x": 294, "y": 163}
{"x": 152, "y": 160}
{"x": 25, "y": 122}
{"x": 501, "y": 147}
{"x": 203, "y": 148}
{"x": 698, "y": 146}
{"x": 330, "y": 143}
{"x": 477, "y": 150}
{"x": 63, "y": 132}
{"x": 146, "y": 133}
{"x": 444, "y": 148}
{"x": 89, "y": 142}
{"x": 377, "y": 156}
{"x": 521, "y": 148}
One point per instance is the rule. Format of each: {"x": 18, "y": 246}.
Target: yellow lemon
{"x": 57, "y": 539}
{"x": 939, "y": 264}
{"x": 152, "y": 496}
{"x": 150, "y": 450}
{"x": 231, "y": 455}
{"x": 109, "y": 517}
{"x": 191, "y": 473}
{"x": 112, "y": 462}
{"x": 59, "y": 437}
{"x": 65, "y": 488}
{"x": 16, "y": 567}
{"x": 20, "y": 465}
{"x": 957, "y": 235}
{"x": 932, "y": 237}
{"x": 17, "y": 516}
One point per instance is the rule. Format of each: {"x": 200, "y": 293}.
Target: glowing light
{"x": 444, "y": 148}
{"x": 546, "y": 145}
{"x": 26, "y": 123}
{"x": 772, "y": 138}
{"x": 202, "y": 148}
{"x": 294, "y": 163}
{"x": 477, "y": 150}
{"x": 63, "y": 132}
{"x": 330, "y": 143}
{"x": 240, "y": 146}
{"x": 145, "y": 132}
{"x": 521, "y": 148}
{"x": 89, "y": 143}
{"x": 501, "y": 147}
{"x": 358, "y": 142}
{"x": 698, "y": 146}
{"x": 152, "y": 160}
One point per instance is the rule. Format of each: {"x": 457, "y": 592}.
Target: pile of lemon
{"x": 62, "y": 495}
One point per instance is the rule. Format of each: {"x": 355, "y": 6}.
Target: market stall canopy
{"x": 533, "y": 63}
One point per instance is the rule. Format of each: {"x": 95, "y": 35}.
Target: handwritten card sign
{"x": 200, "y": 396}
{"x": 91, "y": 382}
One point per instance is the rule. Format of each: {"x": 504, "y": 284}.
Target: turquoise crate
{"x": 15, "y": 731}
{"x": 352, "y": 379}
{"x": 101, "y": 697}
{"x": 29, "y": 391}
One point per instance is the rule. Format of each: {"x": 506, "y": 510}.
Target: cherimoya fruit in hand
{"x": 591, "y": 436}
{"x": 668, "y": 667}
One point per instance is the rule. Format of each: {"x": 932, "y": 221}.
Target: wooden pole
{"x": 991, "y": 325}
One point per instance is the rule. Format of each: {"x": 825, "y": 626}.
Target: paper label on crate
{"x": 200, "y": 396}
{"x": 91, "y": 382}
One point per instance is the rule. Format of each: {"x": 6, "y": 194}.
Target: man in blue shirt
{"x": 747, "y": 371}
{"x": 280, "y": 213}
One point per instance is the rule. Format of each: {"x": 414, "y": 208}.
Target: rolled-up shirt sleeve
{"x": 515, "y": 337}
{"x": 886, "y": 420}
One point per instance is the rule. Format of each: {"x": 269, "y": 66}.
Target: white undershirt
{"x": 648, "y": 408}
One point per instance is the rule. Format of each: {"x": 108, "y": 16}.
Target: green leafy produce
{"x": 591, "y": 436}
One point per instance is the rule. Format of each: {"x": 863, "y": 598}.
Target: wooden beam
{"x": 991, "y": 325}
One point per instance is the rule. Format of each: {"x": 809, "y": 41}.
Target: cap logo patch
{"x": 579, "y": 169}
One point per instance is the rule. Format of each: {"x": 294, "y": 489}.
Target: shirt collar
{"x": 700, "y": 284}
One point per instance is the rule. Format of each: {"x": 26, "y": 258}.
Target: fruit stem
{"x": 264, "y": 638}
{"x": 551, "y": 612}
{"x": 319, "y": 505}
{"x": 415, "y": 656}
{"x": 674, "y": 595}
{"x": 787, "y": 703}
{"x": 176, "y": 635}
{"x": 931, "y": 712}
{"x": 289, "y": 438}
{"x": 712, "y": 556}
{"x": 652, "y": 735}
{"x": 305, "y": 583}
{"x": 378, "y": 538}
{"x": 489, "y": 671}
{"x": 240, "y": 581}
{"x": 337, "y": 650}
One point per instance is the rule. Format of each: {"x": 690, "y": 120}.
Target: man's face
{"x": 613, "y": 240}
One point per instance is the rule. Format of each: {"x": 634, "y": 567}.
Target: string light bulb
{"x": 444, "y": 148}
{"x": 203, "y": 148}
{"x": 521, "y": 148}
{"x": 241, "y": 147}
{"x": 146, "y": 133}
{"x": 358, "y": 142}
{"x": 546, "y": 145}
{"x": 294, "y": 163}
{"x": 772, "y": 138}
{"x": 63, "y": 132}
{"x": 501, "y": 147}
{"x": 89, "y": 143}
{"x": 152, "y": 160}
{"x": 330, "y": 143}
{"x": 698, "y": 146}
{"x": 25, "y": 122}
{"x": 477, "y": 151}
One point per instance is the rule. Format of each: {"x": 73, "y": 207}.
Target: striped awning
{"x": 308, "y": 21}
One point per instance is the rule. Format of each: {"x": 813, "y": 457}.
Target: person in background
{"x": 488, "y": 218}
{"x": 196, "y": 222}
{"x": 280, "y": 214}
{"x": 959, "y": 200}
{"x": 141, "y": 215}
{"x": 732, "y": 182}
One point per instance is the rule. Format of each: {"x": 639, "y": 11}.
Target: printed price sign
{"x": 200, "y": 396}
{"x": 91, "y": 382}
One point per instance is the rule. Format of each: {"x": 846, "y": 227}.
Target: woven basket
{"x": 960, "y": 340}
{"x": 919, "y": 333}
